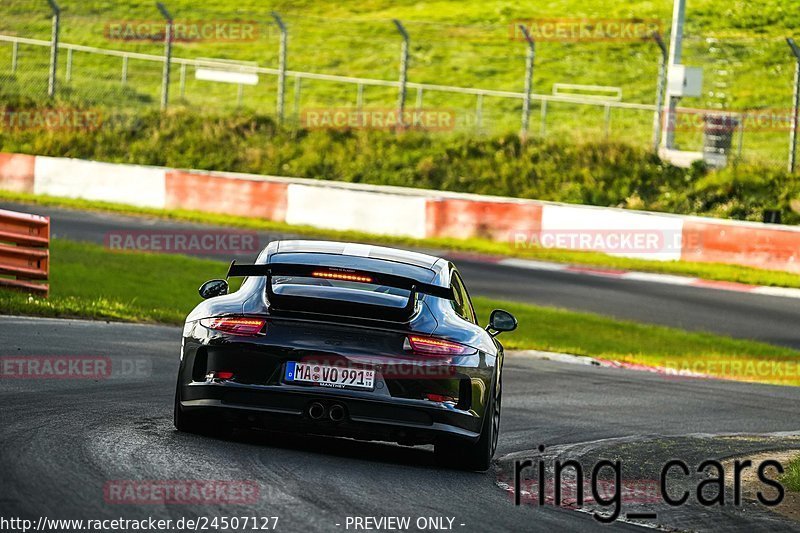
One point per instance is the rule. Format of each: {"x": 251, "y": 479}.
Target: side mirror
{"x": 214, "y": 287}
{"x": 500, "y": 321}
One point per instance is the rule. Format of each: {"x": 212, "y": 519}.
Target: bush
{"x": 596, "y": 173}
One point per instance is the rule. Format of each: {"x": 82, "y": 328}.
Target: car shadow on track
{"x": 372, "y": 451}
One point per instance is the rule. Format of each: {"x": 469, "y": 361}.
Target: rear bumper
{"x": 286, "y": 408}
{"x": 414, "y": 400}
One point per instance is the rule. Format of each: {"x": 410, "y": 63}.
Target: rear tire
{"x": 476, "y": 456}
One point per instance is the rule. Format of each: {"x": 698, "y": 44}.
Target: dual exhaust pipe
{"x": 335, "y": 413}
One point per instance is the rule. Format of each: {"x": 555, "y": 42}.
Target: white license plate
{"x": 330, "y": 376}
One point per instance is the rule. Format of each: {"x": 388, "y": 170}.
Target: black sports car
{"x": 350, "y": 340}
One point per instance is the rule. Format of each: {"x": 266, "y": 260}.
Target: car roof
{"x": 361, "y": 250}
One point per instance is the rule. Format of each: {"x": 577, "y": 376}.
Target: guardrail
{"x": 24, "y": 251}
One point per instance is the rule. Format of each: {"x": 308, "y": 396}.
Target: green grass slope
{"x": 740, "y": 44}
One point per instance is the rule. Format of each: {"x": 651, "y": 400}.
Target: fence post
{"x": 182, "y": 83}
{"x": 479, "y": 113}
{"x": 68, "y": 77}
{"x": 675, "y": 52}
{"x": 543, "y": 123}
{"x": 526, "y": 103}
{"x": 297, "y": 82}
{"x": 660, "y": 86}
{"x": 281, "y": 65}
{"x": 167, "y": 55}
{"x": 124, "y": 78}
{"x": 742, "y": 121}
{"x": 14, "y": 54}
{"x": 795, "y": 105}
{"x": 359, "y": 98}
{"x": 183, "y": 80}
{"x": 51, "y": 81}
{"x": 401, "y": 97}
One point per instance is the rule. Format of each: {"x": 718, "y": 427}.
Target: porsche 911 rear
{"x": 333, "y": 343}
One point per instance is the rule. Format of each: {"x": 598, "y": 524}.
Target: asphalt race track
{"x": 770, "y": 319}
{"x": 63, "y": 440}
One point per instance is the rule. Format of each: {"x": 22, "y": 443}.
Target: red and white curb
{"x": 606, "y": 363}
{"x": 667, "y": 279}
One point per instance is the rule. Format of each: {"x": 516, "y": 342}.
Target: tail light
{"x": 433, "y": 346}
{"x": 440, "y": 398}
{"x": 237, "y": 325}
{"x": 219, "y": 374}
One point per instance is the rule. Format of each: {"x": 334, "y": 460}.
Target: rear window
{"x": 405, "y": 270}
{"x": 361, "y": 285}
{"x": 366, "y": 293}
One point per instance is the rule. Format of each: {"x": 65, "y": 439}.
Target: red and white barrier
{"x": 614, "y": 231}
{"x": 500, "y": 219}
{"x": 409, "y": 212}
{"x": 92, "y": 180}
{"x": 350, "y": 209}
{"x": 770, "y": 246}
{"x": 230, "y": 194}
{"x": 16, "y": 172}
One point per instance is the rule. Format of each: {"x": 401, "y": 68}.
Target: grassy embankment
{"x": 463, "y": 43}
{"x": 741, "y": 47}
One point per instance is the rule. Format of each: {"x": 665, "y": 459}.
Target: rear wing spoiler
{"x": 338, "y": 307}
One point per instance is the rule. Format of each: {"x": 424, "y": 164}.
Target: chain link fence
{"x": 227, "y": 59}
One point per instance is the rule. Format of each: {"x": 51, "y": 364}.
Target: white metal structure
{"x": 595, "y": 92}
